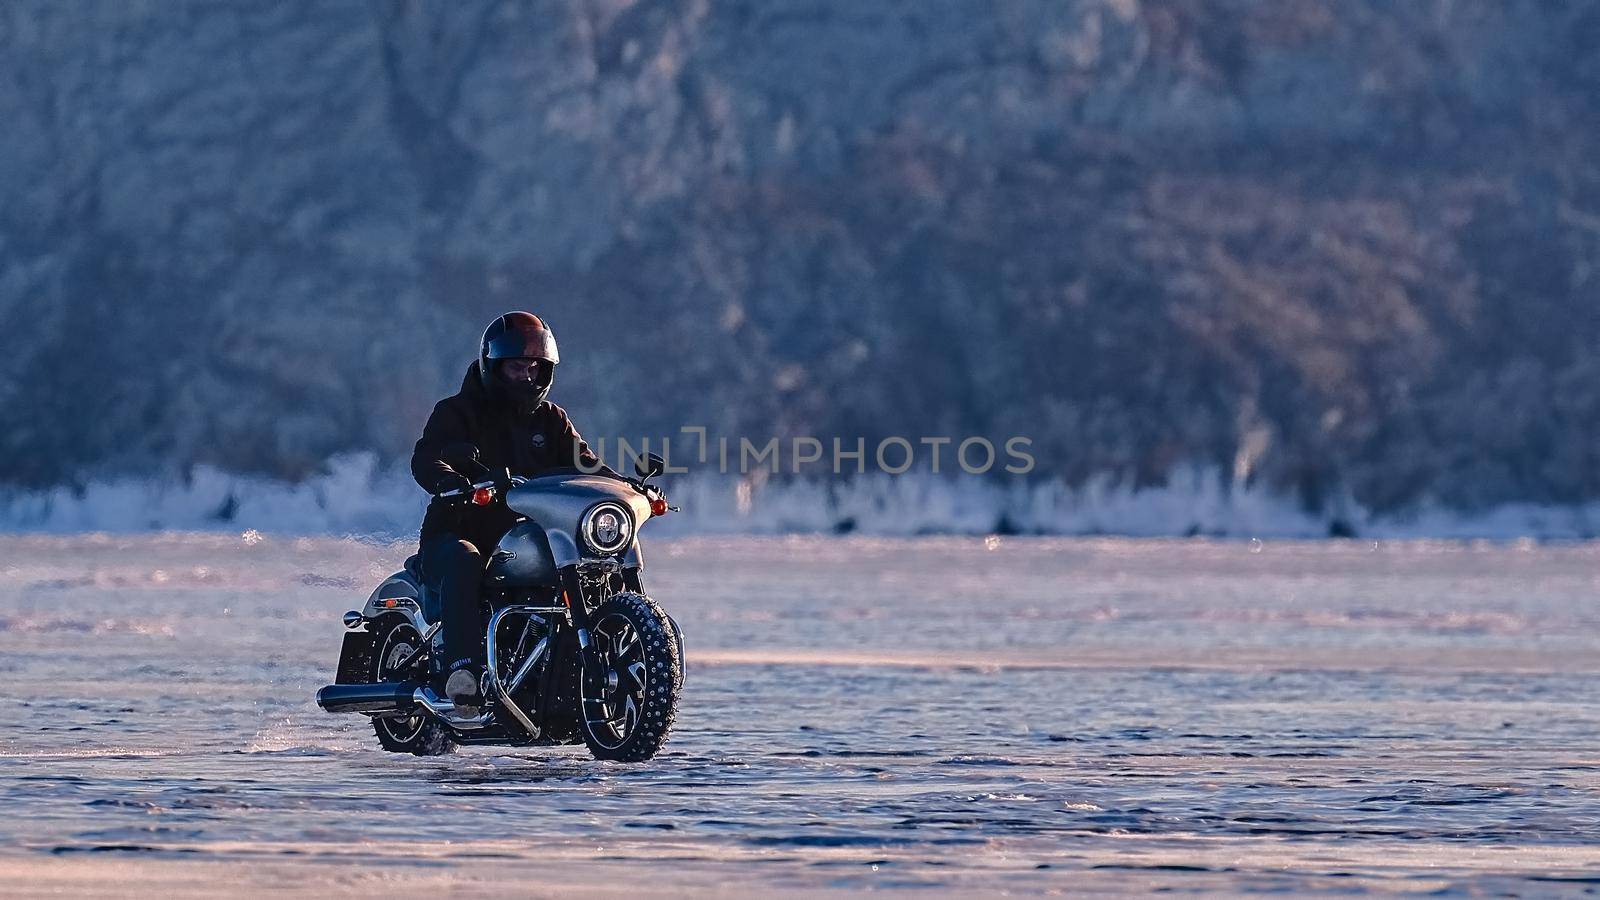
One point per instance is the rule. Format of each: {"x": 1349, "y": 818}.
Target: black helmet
{"x": 518, "y": 335}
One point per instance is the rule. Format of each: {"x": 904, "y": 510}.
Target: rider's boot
{"x": 461, "y": 686}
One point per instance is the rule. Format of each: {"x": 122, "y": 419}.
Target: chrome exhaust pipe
{"x": 396, "y": 699}
{"x": 388, "y": 697}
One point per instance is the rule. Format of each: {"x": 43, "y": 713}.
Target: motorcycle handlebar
{"x": 471, "y": 493}
{"x": 462, "y": 492}
{"x": 495, "y": 487}
{"x": 498, "y": 487}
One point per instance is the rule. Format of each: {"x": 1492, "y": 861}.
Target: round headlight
{"x": 607, "y": 528}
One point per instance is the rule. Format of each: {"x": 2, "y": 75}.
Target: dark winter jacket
{"x": 525, "y": 444}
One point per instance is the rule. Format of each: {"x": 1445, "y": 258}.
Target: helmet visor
{"x": 530, "y": 343}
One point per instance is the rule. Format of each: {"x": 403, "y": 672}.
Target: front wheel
{"x": 631, "y": 679}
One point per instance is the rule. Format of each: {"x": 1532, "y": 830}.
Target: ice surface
{"x": 939, "y": 713}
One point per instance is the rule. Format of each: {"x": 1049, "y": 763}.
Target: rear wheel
{"x": 630, "y": 696}
{"x": 419, "y": 735}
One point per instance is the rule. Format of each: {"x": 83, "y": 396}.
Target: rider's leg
{"x": 455, "y": 569}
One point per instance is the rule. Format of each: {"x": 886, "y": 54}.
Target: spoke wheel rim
{"x": 614, "y": 697}
{"x": 397, "y": 645}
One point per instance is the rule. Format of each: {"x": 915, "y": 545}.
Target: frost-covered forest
{"x": 1343, "y": 252}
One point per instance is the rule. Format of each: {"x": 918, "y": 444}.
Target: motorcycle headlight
{"x": 607, "y": 528}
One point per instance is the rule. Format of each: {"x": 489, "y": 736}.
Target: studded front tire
{"x": 630, "y": 693}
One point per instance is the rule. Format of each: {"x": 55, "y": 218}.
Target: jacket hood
{"x": 473, "y": 390}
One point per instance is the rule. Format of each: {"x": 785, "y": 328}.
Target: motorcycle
{"x": 574, "y": 650}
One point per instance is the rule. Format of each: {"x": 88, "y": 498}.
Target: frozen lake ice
{"x": 961, "y": 714}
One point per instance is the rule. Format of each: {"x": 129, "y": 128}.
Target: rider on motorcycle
{"x": 499, "y": 420}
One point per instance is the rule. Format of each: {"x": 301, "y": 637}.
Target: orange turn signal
{"x": 482, "y": 496}
{"x": 658, "y": 506}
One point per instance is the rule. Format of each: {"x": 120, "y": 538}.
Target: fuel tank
{"x": 523, "y": 559}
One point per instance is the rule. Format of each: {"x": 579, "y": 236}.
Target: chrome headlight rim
{"x": 588, "y": 528}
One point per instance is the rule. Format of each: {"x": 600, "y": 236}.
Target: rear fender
{"x": 398, "y": 594}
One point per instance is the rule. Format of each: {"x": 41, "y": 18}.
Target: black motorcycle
{"x": 574, "y": 649}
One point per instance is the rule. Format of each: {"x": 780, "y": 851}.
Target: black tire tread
{"x": 662, "y": 706}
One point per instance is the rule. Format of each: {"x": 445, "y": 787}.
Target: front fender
{"x": 683, "y": 661}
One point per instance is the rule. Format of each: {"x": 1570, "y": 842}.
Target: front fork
{"x": 589, "y": 668}
{"x": 577, "y": 609}
{"x": 572, "y": 592}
